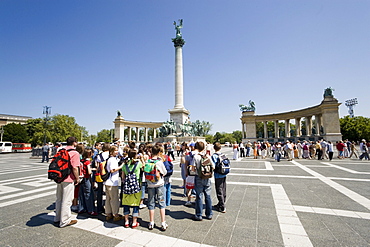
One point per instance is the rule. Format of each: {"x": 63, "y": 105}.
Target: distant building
{"x": 7, "y": 119}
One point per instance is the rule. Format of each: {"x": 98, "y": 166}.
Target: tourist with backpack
{"x": 101, "y": 160}
{"x": 204, "y": 167}
{"x": 65, "y": 187}
{"x": 154, "y": 171}
{"x": 86, "y": 192}
{"x": 111, "y": 186}
{"x": 190, "y": 173}
{"x": 220, "y": 173}
{"x": 167, "y": 178}
{"x": 131, "y": 188}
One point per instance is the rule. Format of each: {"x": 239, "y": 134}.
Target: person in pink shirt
{"x": 65, "y": 189}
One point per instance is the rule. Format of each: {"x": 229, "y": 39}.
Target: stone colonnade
{"x": 326, "y": 123}
{"x": 120, "y": 125}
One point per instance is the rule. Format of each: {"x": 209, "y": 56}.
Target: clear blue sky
{"x": 88, "y": 59}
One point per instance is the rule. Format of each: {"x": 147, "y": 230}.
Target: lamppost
{"x": 350, "y": 104}
{"x": 47, "y": 112}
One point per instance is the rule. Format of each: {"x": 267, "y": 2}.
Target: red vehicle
{"x": 21, "y": 147}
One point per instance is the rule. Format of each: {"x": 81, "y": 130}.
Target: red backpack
{"x": 60, "y": 166}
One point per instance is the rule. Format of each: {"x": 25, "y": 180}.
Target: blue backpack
{"x": 169, "y": 167}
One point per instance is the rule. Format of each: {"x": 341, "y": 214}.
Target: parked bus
{"x": 5, "y": 147}
{"x": 21, "y": 147}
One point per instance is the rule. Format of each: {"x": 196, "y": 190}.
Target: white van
{"x": 6, "y": 147}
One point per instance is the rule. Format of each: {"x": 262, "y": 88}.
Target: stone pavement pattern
{"x": 299, "y": 203}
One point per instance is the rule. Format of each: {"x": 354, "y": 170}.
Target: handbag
{"x": 190, "y": 182}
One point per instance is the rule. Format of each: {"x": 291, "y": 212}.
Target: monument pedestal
{"x": 179, "y": 115}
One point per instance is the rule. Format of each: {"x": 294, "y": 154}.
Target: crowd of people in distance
{"x": 136, "y": 176}
{"x": 320, "y": 149}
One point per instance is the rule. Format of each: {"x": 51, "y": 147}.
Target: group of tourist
{"x": 321, "y": 149}
{"x": 82, "y": 191}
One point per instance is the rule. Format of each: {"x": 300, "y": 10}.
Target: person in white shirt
{"x": 112, "y": 185}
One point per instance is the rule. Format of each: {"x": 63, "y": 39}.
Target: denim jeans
{"x": 143, "y": 187}
{"x": 203, "y": 188}
{"x": 168, "y": 194}
{"x": 135, "y": 210}
{"x": 86, "y": 197}
{"x": 157, "y": 193}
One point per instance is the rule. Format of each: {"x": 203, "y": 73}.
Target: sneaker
{"x": 164, "y": 226}
{"x": 142, "y": 206}
{"x": 127, "y": 224}
{"x": 187, "y": 203}
{"x": 223, "y": 211}
{"x": 151, "y": 226}
{"x": 195, "y": 218}
{"x": 208, "y": 217}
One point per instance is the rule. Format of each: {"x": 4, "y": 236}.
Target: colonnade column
{"x": 287, "y": 128}
{"x": 308, "y": 125}
{"x": 137, "y": 134}
{"x": 298, "y": 127}
{"x": 265, "y": 129}
{"x": 146, "y": 135}
{"x": 129, "y": 133}
{"x": 276, "y": 123}
{"x": 154, "y": 133}
{"x": 318, "y": 124}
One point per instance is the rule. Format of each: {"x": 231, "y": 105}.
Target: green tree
{"x": 217, "y": 137}
{"x": 210, "y": 138}
{"x": 227, "y": 137}
{"x": 15, "y": 133}
{"x": 104, "y": 136}
{"x": 355, "y": 128}
{"x": 238, "y": 135}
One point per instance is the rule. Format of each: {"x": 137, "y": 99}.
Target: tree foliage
{"x": 15, "y": 133}
{"x": 104, "y": 136}
{"x": 355, "y": 128}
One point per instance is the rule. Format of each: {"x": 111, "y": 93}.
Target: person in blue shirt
{"x": 220, "y": 181}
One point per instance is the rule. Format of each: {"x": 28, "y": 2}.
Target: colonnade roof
{"x": 302, "y": 113}
{"x": 139, "y": 124}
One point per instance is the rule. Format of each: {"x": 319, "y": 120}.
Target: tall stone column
{"x": 277, "y": 135}
{"x": 287, "y": 128}
{"x": 309, "y": 125}
{"x": 137, "y": 134}
{"x": 265, "y": 129}
{"x": 179, "y": 114}
{"x": 318, "y": 124}
{"x": 146, "y": 135}
{"x": 129, "y": 133}
{"x": 298, "y": 127}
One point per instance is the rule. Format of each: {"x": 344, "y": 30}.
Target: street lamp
{"x": 350, "y": 104}
{"x": 47, "y": 112}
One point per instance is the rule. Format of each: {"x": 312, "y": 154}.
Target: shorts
{"x": 156, "y": 194}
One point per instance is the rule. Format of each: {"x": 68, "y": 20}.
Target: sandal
{"x": 136, "y": 225}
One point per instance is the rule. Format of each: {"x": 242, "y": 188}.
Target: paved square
{"x": 298, "y": 203}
